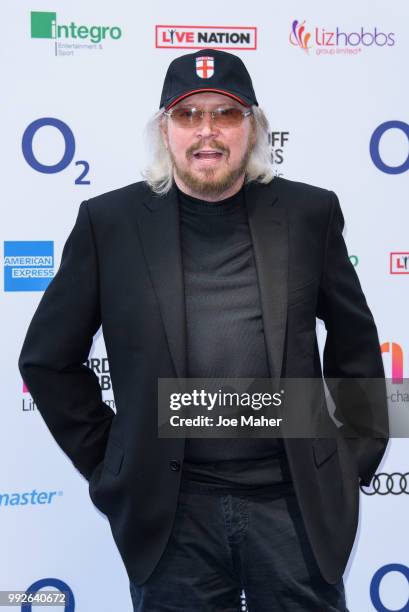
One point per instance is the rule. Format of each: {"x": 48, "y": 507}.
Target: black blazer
{"x": 121, "y": 267}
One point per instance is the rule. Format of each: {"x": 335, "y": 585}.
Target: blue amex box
{"x": 28, "y": 265}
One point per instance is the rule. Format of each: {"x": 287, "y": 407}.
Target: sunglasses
{"x": 192, "y": 117}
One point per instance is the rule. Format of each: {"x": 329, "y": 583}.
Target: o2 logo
{"x": 50, "y": 582}
{"x": 69, "y": 149}
{"x": 374, "y": 589}
{"x": 374, "y": 147}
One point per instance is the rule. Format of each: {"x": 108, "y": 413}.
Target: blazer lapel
{"x": 160, "y": 235}
{"x": 269, "y": 230}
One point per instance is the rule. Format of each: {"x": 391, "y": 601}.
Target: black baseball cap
{"x": 207, "y": 70}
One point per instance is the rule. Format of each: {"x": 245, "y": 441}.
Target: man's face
{"x": 209, "y": 161}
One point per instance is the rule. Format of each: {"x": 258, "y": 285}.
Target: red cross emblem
{"x": 205, "y": 67}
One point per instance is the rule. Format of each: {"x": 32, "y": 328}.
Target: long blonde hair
{"x": 159, "y": 171}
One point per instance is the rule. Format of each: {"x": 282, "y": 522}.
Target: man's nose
{"x": 207, "y": 126}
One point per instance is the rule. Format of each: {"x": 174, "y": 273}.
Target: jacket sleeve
{"x": 66, "y": 392}
{"x": 352, "y": 360}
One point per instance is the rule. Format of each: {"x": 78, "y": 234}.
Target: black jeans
{"x": 223, "y": 543}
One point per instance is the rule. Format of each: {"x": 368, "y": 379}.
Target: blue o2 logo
{"x": 374, "y": 147}
{"x": 69, "y": 149}
{"x": 60, "y": 585}
{"x": 376, "y": 582}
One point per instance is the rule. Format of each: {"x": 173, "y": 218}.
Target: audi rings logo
{"x": 395, "y": 483}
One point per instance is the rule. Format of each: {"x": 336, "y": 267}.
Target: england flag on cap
{"x": 205, "y": 66}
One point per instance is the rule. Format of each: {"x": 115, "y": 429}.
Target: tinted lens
{"x": 186, "y": 117}
{"x": 228, "y": 117}
{"x": 192, "y": 117}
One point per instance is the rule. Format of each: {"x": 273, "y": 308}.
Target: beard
{"x": 209, "y": 184}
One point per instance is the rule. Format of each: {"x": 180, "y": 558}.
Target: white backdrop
{"x": 324, "y": 102}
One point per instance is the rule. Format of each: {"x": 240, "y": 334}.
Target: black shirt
{"x": 225, "y": 336}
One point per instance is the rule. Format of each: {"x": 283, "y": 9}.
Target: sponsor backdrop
{"x": 80, "y": 80}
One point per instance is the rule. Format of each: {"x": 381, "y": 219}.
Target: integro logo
{"x": 89, "y": 37}
{"x": 399, "y": 263}
{"x": 28, "y": 498}
{"x": 197, "y": 37}
{"x": 337, "y": 41}
{"x": 28, "y": 265}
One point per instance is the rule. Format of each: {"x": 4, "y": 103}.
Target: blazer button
{"x": 174, "y": 465}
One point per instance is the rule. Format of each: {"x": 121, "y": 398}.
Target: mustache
{"x": 215, "y": 144}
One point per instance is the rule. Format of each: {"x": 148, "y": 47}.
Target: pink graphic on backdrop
{"x": 298, "y": 36}
{"x": 396, "y": 352}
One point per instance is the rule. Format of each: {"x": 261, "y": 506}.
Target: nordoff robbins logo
{"x": 45, "y": 25}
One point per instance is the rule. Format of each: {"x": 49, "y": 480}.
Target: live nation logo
{"x": 399, "y": 263}
{"x": 198, "y": 37}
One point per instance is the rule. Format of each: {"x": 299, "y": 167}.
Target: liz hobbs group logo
{"x": 197, "y": 37}
{"x": 338, "y": 40}
{"x": 70, "y": 37}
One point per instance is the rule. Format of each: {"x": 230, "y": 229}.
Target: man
{"x": 210, "y": 268}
